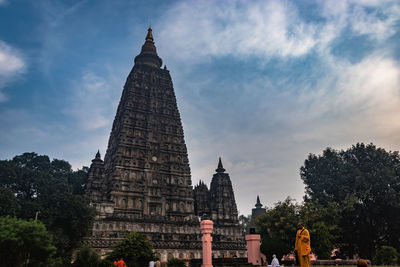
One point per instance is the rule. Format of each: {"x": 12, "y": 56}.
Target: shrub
{"x": 88, "y": 257}
{"x": 173, "y": 262}
{"x": 386, "y": 255}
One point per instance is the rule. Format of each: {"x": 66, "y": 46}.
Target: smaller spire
{"x": 258, "y": 204}
{"x": 98, "y": 155}
{"x": 220, "y": 168}
{"x": 149, "y": 36}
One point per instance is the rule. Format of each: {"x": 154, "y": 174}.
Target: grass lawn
{"x": 334, "y": 265}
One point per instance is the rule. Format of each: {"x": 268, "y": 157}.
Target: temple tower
{"x": 146, "y": 163}
{"x": 224, "y": 214}
{"x": 255, "y": 212}
{"x": 222, "y": 200}
{"x": 144, "y": 183}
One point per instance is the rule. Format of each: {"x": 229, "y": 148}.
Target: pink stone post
{"x": 206, "y": 227}
{"x": 253, "y": 249}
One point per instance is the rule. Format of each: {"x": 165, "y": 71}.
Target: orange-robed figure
{"x": 120, "y": 263}
{"x": 302, "y": 246}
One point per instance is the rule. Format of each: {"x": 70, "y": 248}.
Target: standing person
{"x": 302, "y": 246}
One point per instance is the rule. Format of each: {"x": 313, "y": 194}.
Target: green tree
{"x": 386, "y": 255}
{"x": 89, "y": 257}
{"x": 135, "y": 249}
{"x": 8, "y": 203}
{"x": 364, "y": 181}
{"x": 24, "y": 243}
{"x": 322, "y": 240}
{"x": 322, "y": 224}
{"x": 173, "y": 262}
{"x": 32, "y": 183}
{"x": 277, "y": 228}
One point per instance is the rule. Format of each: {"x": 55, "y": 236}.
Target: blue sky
{"x": 260, "y": 83}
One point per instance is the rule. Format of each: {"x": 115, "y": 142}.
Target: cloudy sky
{"x": 260, "y": 83}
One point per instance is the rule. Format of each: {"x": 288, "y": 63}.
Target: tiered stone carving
{"x": 201, "y": 196}
{"x": 144, "y": 183}
{"x": 219, "y": 202}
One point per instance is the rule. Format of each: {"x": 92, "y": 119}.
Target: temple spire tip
{"x": 97, "y": 157}
{"x": 149, "y": 36}
{"x": 258, "y": 204}
{"x": 220, "y": 166}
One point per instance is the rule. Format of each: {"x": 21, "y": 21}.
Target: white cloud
{"x": 11, "y": 64}
{"x": 212, "y": 28}
{"x": 204, "y": 29}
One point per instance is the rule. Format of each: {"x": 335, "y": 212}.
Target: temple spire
{"x": 97, "y": 158}
{"x": 149, "y": 36}
{"x": 220, "y": 168}
{"x": 258, "y": 204}
{"x": 148, "y": 55}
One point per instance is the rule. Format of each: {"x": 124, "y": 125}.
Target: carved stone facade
{"x": 144, "y": 183}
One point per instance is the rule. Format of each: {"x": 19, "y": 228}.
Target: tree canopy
{"x": 352, "y": 202}
{"x": 33, "y": 186}
{"x": 364, "y": 182}
{"x": 24, "y": 242}
{"x": 135, "y": 249}
{"x": 277, "y": 228}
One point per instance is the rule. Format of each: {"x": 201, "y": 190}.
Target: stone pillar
{"x": 253, "y": 249}
{"x": 206, "y": 227}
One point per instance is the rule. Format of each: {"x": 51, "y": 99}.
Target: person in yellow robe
{"x": 302, "y": 246}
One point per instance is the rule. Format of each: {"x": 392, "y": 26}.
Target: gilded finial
{"x": 149, "y": 36}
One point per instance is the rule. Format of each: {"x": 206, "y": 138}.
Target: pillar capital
{"x": 253, "y": 237}
{"x": 206, "y": 226}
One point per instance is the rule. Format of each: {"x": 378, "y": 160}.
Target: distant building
{"x": 258, "y": 210}
{"x": 144, "y": 183}
{"x": 255, "y": 212}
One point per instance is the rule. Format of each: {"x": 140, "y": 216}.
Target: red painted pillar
{"x": 253, "y": 249}
{"x": 206, "y": 227}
